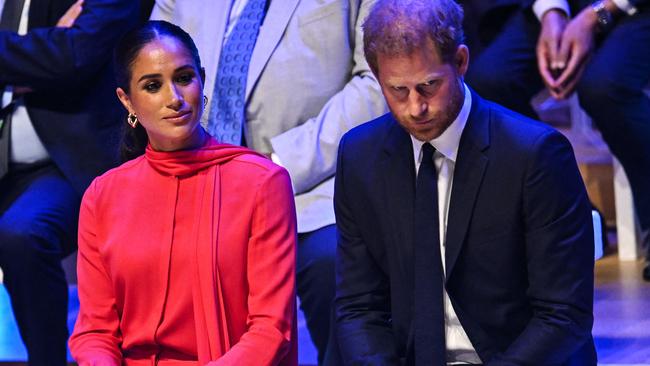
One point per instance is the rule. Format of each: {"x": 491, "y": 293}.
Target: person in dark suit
{"x": 465, "y": 231}
{"x": 503, "y": 36}
{"x": 605, "y": 58}
{"x": 59, "y": 131}
{"x": 597, "y": 53}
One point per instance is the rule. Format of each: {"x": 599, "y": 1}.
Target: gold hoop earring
{"x": 205, "y": 101}
{"x": 132, "y": 120}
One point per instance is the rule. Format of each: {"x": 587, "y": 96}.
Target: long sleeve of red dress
{"x": 150, "y": 287}
{"x": 97, "y": 330}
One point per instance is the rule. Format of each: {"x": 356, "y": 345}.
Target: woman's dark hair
{"x": 134, "y": 140}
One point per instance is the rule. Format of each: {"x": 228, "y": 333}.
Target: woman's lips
{"x": 178, "y": 117}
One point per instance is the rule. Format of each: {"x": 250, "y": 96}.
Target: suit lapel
{"x": 398, "y": 171}
{"x": 208, "y": 36}
{"x": 275, "y": 22}
{"x": 468, "y": 175}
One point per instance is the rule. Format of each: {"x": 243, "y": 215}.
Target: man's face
{"x": 424, "y": 93}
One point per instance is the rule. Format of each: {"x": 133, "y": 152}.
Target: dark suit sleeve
{"x": 54, "y": 58}
{"x": 362, "y": 293}
{"x": 559, "y": 255}
{"x": 639, "y": 2}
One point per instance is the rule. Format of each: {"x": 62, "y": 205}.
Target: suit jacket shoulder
{"x": 371, "y": 132}
{"x": 494, "y": 125}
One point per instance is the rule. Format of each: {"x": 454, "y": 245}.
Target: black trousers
{"x": 315, "y": 279}
{"x": 505, "y": 70}
{"x": 38, "y": 223}
{"x": 611, "y": 91}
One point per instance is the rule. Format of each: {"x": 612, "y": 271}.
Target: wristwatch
{"x": 605, "y": 18}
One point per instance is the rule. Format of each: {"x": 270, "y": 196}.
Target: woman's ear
{"x": 124, "y": 99}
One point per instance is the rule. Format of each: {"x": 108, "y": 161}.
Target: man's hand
{"x": 549, "y": 63}
{"x": 576, "y": 47}
{"x": 68, "y": 19}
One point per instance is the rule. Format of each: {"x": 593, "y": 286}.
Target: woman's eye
{"x": 152, "y": 86}
{"x": 185, "y": 78}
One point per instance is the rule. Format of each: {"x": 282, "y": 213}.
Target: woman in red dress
{"x": 187, "y": 251}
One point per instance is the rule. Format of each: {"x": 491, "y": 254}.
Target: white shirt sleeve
{"x": 625, "y": 6}
{"x": 540, "y": 7}
{"x": 276, "y": 159}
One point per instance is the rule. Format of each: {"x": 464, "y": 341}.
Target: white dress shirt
{"x": 540, "y": 7}
{"x": 459, "y": 347}
{"x": 236, "y": 8}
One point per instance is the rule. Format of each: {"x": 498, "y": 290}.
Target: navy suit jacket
{"x": 73, "y": 107}
{"x": 519, "y": 245}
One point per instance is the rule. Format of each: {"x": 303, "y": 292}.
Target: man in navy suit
{"x": 60, "y": 127}
{"x": 465, "y": 231}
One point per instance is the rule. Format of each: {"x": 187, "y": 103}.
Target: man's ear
{"x": 461, "y": 59}
{"x": 124, "y": 99}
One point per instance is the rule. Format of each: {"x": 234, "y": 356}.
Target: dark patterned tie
{"x": 227, "y": 112}
{"x": 9, "y": 21}
{"x": 429, "y": 317}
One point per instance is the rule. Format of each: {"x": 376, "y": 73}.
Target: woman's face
{"x": 166, "y": 94}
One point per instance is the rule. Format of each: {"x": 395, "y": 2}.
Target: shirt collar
{"x": 447, "y": 143}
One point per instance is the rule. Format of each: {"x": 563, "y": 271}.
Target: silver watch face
{"x": 602, "y": 14}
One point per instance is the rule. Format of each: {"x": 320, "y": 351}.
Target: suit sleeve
{"x": 308, "y": 151}
{"x": 560, "y": 258}
{"x": 362, "y": 298}
{"x": 638, "y": 3}
{"x": 55, "y": 58}
{"x": 271, "y": 278}
{"x": 96, "y": 338}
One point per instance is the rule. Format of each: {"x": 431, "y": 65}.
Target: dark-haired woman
{"x": 186, "y": 253}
